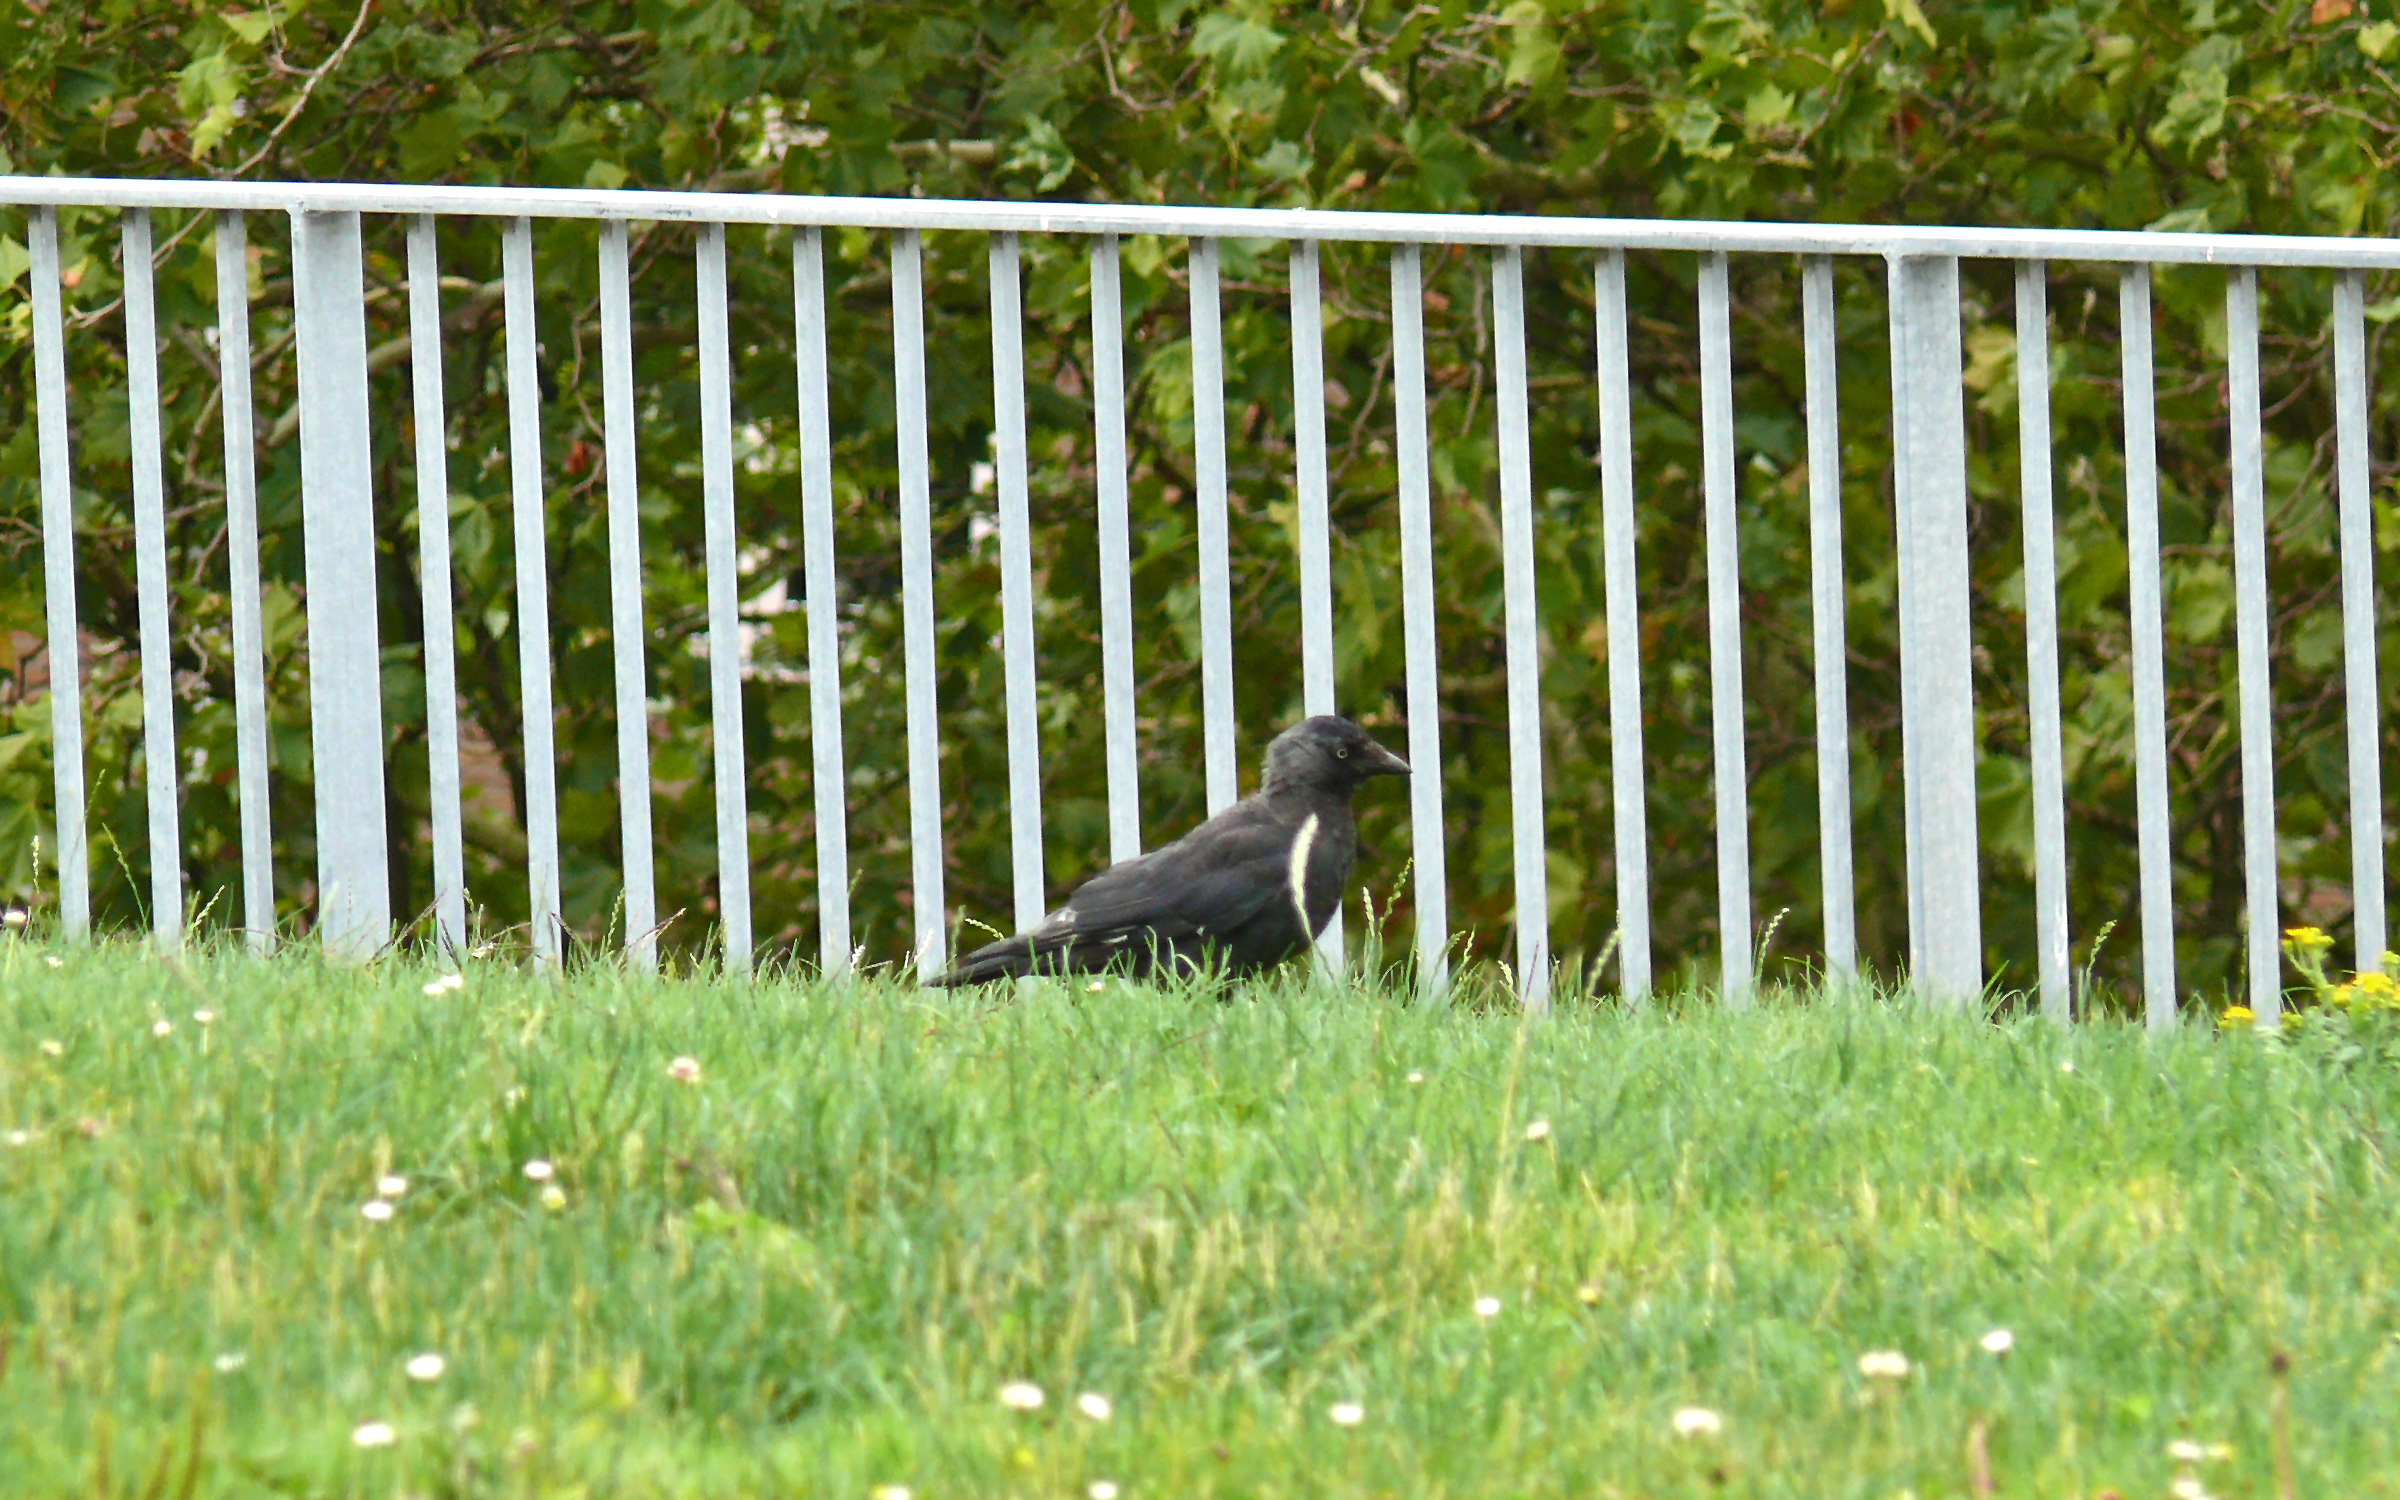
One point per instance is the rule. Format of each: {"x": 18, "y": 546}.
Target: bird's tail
{"x": 1010, "y": 958}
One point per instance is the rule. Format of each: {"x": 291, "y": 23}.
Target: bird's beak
{"x": 1382, "y": 762}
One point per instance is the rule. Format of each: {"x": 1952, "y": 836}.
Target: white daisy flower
{"x": 1697, "y": 1421}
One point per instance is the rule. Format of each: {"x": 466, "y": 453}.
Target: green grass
{"x": 812, "y": 1271}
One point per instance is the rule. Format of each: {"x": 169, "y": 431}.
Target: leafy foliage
{"x": 2276, "y": 118}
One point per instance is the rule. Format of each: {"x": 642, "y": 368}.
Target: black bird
{"x": 1242, "y": 892}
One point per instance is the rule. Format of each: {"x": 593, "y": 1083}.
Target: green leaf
{"x": 251, "y": 28}
{"x": 212, "y": 128}
{"x": 1533, "y": 49}
{"x": 2380, "y": 40}
{"x": 1692, "y": 125}
{"x": 2195, "y": 113}
{"x": 14, "y": 260}
{"x": 1239, "y": 44}
{"x": 1769, "y": 106}
{"x": 1041, "y": 152}
{"x": 2192, "y": 218}
{"x": 1909, "y": 14}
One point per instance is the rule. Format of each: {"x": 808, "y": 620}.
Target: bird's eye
{"x": 1343, "y": 752}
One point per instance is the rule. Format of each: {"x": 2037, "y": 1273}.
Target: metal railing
{"x": 1930, "y": 451}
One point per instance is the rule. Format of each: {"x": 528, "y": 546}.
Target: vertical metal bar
{"x": 2265, "y": 937}
{"x": 2041, "y": 639}
{"x": 433, "y": 568}
{"x": 1829, "y": 604}
{"x": 241, "y": 553}
{"x": 724, "y": 600}
{"x": 58, "y": 579}
{"x": 533, "y": 587}
{"x": 159, "y": 771}
{"x": 824, "y": 604}
{"x": 2358, "y": 618}
{"x": 1016, "y": 585}
{"x": 1116, "y": 566}
{"x": 626, "y": 627}
{"x": 916, "y": 603}
{"x": 337, "y": 517}
{"x": 1913, "y": 841}
{"x": 1316, "y": 544}
{"x": 1524, "y": 641}
{"x": 2144, "y": 607}
{"x": 1617, "y": 535}
{"x": 1725, "y": 628}
{"x": 1426, "y": 853}
{"x": 1944, "y": 772}
{"x": 1216, "y": 570}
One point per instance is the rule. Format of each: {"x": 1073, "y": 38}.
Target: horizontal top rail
{"x": 1265, "y": 223}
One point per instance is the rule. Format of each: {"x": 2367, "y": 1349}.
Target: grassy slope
{"x": 1226, "y": 1217}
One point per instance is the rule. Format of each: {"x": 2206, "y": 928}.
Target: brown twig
{"x": 322, "y": 71}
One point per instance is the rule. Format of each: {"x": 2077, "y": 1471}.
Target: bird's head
{"x": 1328, "y": 752}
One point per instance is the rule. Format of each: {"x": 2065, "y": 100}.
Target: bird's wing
{"x": 1212, "y": 880}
